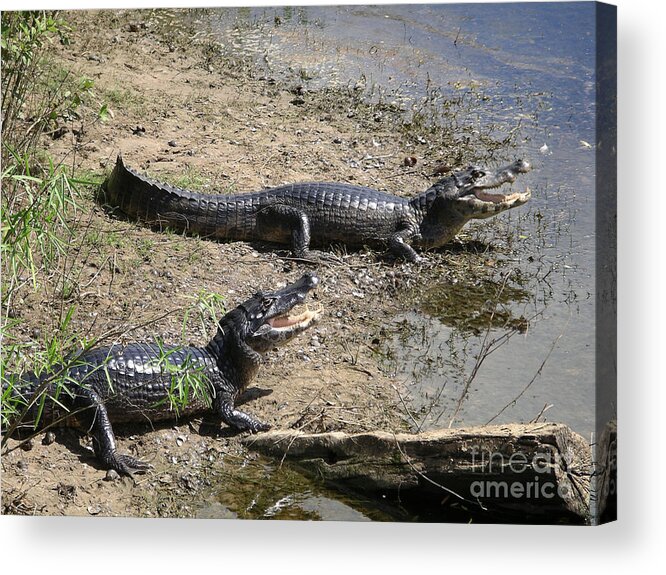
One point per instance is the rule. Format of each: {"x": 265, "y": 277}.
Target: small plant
{"x": 37, "y": 95}
{"x": 35, "y": 223}
{"x": 190, "y": 179}
{"x": 49, "y": 362}
{"x": 208, "y": 307}
{"x": 25, "y": 36}
{"x": 189, "y": 383}
{"x": 145, "y": 248}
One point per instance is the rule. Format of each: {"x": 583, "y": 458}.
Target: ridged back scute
{"x": 142, "y": 198}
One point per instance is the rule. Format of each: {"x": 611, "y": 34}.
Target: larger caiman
{"x": 320, "y": 213}
{"x": 141, "y": 381}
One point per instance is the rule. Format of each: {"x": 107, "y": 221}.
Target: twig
{"x": 309, "y": 421}
{"x": 546, "y": 407}
{"x": 407, "y": 173}
{"x": 407, "y": 410}
{"x": 424, "y": 476}
{"x": 538, "y": 372}
{"x": 485, "y": 352}
{"x": 284, "y": 455}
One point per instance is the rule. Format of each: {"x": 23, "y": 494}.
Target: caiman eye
{"x": 476, "y": 174}
{"x": 266, "y": 303}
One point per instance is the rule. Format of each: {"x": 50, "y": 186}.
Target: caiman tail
{"x": 163, "y": 206}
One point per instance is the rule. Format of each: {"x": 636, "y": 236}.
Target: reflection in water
{"x": 257, "y": 488}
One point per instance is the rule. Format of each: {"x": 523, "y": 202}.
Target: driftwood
{"x": 532, "y": 472}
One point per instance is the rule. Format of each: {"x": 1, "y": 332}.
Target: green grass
{"x": 51, "y": 359}
{"x": 189, "y": 179}
{"x": 125, "y": 99}
{"x": 35, "y": 223}
{"x": 41, "y": 204}
{"x": 206, "y": 308}
{"x": 189, "y": 382}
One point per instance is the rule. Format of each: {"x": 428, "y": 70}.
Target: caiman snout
{"x": 510, "y": 173}
{"x": 479, "y": 200}
{"x": 522, "y": 166}
{"x": 308, "y": 281}
{"x": 296, "y": 292}
{"x": 279, "y": 322}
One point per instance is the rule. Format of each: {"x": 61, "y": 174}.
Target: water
{"x": 535, "y": 65}
{"x": 258, "y": 488}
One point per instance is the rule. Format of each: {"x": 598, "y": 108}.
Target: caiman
{"x": 320, "y": 213}
{"x": 140, "y": 381}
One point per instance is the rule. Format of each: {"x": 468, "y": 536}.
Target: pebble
{"x": 300, "y": 354}
{"x": 49, "y": 438}
{"x": 410, "y": 161}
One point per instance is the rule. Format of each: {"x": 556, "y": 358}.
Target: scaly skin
{"x": 319, "y": 213}
{"x": 135, "y": 383}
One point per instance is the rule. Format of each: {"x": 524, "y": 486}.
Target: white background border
{"x": 82, "y": 545}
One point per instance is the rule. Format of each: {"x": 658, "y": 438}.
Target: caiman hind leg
{"x": 286, "y": 224}
{"x": 89, "y": 411}
{"x": 280, "y": 223}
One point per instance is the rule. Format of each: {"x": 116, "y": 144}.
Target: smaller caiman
{"x": 140, "y": 381}
{"x": 320, "y": 213}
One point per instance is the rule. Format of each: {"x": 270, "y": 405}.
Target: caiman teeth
{"x": 290, "y": 320}
{"x": 500, "y": 198}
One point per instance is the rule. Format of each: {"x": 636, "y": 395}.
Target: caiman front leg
{"x": 89, "y": 410}
{"x": 399, "y": 246}
{"x": 238, "y": 420}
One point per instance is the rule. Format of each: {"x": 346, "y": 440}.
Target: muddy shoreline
{"x": 184, "y": 113}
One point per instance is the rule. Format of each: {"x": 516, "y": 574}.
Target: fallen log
{"x": 532, "y": 472}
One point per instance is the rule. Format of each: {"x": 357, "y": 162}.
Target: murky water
{"x": 535, "y": 65}
{"x": 259, "y": 488}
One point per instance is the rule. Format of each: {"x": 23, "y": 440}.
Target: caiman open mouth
{"x": 479, "y": 192}
{"x": 489, "y": 197}
{"x": 290, "y": 320}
